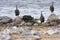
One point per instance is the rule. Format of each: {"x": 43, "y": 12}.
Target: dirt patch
{"x": 3, "y": 26}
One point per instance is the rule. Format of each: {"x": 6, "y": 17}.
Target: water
{"x": 28, "y": 7}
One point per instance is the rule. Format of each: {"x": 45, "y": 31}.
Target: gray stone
{"x": 52, "y": 20}
{"x": 17, "y": 20}
{"x": 52, "y": 17}
{"x": 5, "y": 19}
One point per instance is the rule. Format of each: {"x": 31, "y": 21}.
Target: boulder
{"x": 17, "y": 20}
{"x": 52, "y": 17}
{"x": 5, "y": 19}
{"x": 53, "y": 20}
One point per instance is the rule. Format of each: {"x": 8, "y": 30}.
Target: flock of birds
{"x": 28, "y": 18}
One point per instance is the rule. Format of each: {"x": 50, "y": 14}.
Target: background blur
{"x": 28, "y": 7}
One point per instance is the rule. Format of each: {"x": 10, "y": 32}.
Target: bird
{"x": 52, "y": 7}
{"x": 17, "y": 11}
{"x": 42, "y": 18}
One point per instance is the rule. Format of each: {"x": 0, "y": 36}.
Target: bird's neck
{"x": 16, "y": 7}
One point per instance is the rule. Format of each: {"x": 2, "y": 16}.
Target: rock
{"x": 37, "y": 39}
{"x": 5, "y": 19}
{"x": 52, "y": 17}
{"x": 4, "y": 35}
{"x": 17, "y": 20}
{"x": 50, "y": 24}
{"x": 28, "y": 24}
{"x": 53, "y": 20}
{"x": 14, "y": 33}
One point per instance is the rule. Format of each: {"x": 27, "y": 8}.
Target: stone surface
{"x": 26, "y": 33}
{"x": 5, "y": 19}
{"x": 52, "y": 20}
{"x": 17, "y": 20}
{"x": 14, "y": 31}
{"x": 52, "y": 17}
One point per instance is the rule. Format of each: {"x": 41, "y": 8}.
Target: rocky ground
{"x": 30, "y": 33}
{"x": 13, "y": 30}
